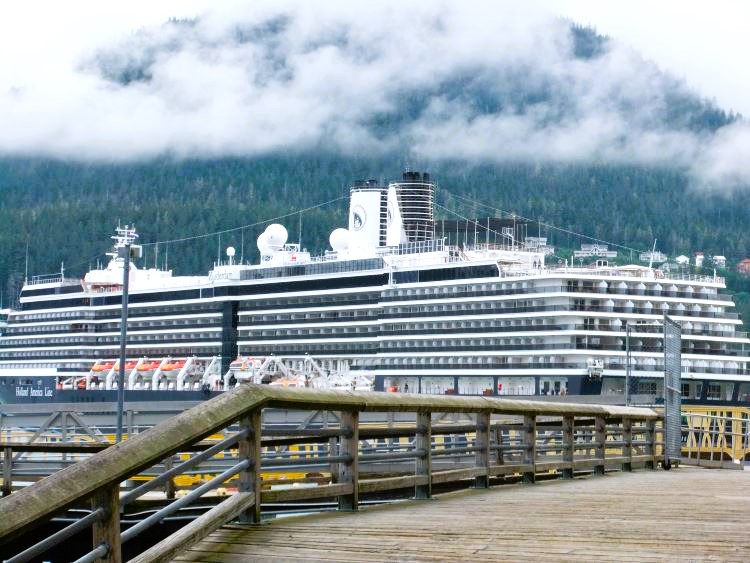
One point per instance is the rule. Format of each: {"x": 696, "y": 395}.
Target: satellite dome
{"x": 230, "y": 251}
{"x": 276, "y": 236}
{"x": 263, "y": 244}
{"x": 339, "y": 239}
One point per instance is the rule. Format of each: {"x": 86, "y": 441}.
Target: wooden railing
{"x": 501, "y": 438}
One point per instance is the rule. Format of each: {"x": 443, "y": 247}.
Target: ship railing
{"x": 502, "y": 439}
{"x": 616, "y": 272}
{"x": 423, "y": 293}
{"x": 715, "y": 441}
{"x": 51, "y": 278}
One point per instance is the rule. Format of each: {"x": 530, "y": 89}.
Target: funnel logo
{"x": 359, "y": 218}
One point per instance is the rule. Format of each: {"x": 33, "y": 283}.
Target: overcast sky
{"x": 704, "y": 43}
{"x": 213, "y": 96}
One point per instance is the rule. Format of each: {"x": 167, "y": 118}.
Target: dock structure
{"x": 689, "y": 513}
{"x": 439, "y": 441}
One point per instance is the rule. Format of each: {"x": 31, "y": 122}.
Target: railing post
{"x": 600, "y": 437}
{"x": 7, "y": 471}
{"x": 349, "y": 472}
{"x": 333, "y": 466}
{"x": 107, "y": 530}
{"x": 249, "y": 479}
{"x": 529, "y": 441}
{"x": 499, "y": 451}
{"x": 482, "y": 454}
{"x": 650, "y": 443}
{"x": 169, "y": 486}
{"x": 627, "y": 449}
{"x": 423, "y": 441}
{"x": 568, "y": 425}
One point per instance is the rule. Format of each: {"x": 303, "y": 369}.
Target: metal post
{"x": 423, "y": 441}
{"x": 125, "y": 254}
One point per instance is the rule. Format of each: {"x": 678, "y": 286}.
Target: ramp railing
{"x": 447, "y": 439}
{"x": 715, "y": 440}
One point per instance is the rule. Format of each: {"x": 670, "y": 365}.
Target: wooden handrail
{"x": 106, "y": 469}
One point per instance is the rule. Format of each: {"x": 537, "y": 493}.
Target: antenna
{"x": 242, "y": 246}
{"x": 651, "y": 258}
{"x": 26, "y": 275}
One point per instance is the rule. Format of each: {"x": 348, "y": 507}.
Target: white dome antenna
{"x": 276, "y": 236}
{"x": 339, "y": 240}
{"x": 263, "y": 244}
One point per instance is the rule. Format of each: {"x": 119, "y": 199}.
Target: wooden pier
{"x": 439, "y": 441}
{"x": 688, "y": 514}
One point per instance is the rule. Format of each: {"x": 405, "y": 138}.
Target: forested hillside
{"x": 66, "y": 212}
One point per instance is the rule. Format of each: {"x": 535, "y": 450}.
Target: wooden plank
{"x": 529, "y": 440}
{"x": 390, "y": 483}
{"x": 349, "y": 472}
{"x": 306, "y": 493}
{"x": 587, "y": 463}
{"x": 510, "y": 468}
{"x": 107, "y": 530}
{"x": 249, "y": 449}
{"x": 457, "y": 474}
{"x": 699, "y": 514}
{"x": 568, "y": 431}
{"x": 198, "y": 529}
{"x": 600, "y": 437}
{"x": 423, "y": 465}
{"x": 7, "y": 471}
{"x": 482, "y": 454}
{"x": 552, "y": 465}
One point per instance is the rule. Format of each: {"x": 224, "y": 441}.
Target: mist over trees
{"x": 55, "y": 210}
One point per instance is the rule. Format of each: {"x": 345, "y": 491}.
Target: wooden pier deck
{"x": 687, "y": 514}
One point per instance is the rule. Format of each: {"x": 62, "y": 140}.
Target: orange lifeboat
{"x": 106, "y": 366}
{"x": 148, "y": 366}
{"x": 167, "y": 367}
{"x": 179, "y": 364}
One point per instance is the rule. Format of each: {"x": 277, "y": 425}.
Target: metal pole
{"x": 627, "y": 364}
{"x": 125, "y": 253}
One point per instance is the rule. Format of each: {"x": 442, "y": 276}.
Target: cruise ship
{"x": 396, "y": 304}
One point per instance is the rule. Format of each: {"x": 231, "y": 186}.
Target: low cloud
{"x": 477, "y": 82}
